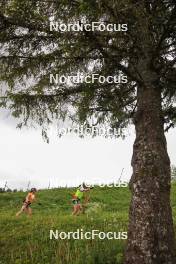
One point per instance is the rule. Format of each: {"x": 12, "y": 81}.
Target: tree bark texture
{"x": 150, "y": 233}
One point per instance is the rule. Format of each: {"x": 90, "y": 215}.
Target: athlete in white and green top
{"x": 78, "y": 197}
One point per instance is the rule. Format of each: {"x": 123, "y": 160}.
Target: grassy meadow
{"x": 26, "y": 240}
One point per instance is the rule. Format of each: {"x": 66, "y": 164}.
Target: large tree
{"x": 145, "y": 53}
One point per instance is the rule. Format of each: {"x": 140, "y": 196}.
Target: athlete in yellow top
{"x": 80, "y": 200}
{"x": 30, "y": 198}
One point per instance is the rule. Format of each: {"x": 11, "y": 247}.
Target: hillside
{"x": 26, "y": 240}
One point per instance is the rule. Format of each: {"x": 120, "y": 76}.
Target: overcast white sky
{"x": 25, "y": 157}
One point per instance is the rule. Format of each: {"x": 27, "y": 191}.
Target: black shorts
{"x": 76, "y": 201}
{"x": 26, "y": 204}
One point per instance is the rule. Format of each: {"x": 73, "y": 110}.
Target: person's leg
{"x": 21, "y": 210}
{"x": 75, "y": 209}
{"x": 75, "y": 202}
{"x": 73, "y": 212}
{"x": 79, "y": 209}
{"x": 29, "y": 211}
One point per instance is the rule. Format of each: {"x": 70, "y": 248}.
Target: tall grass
{"x": 26, "y": 240}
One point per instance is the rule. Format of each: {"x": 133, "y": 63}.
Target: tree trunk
{"x": 151, "y": 233}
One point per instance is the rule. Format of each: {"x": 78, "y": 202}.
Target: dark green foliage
{"x": 30, "y": 54}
